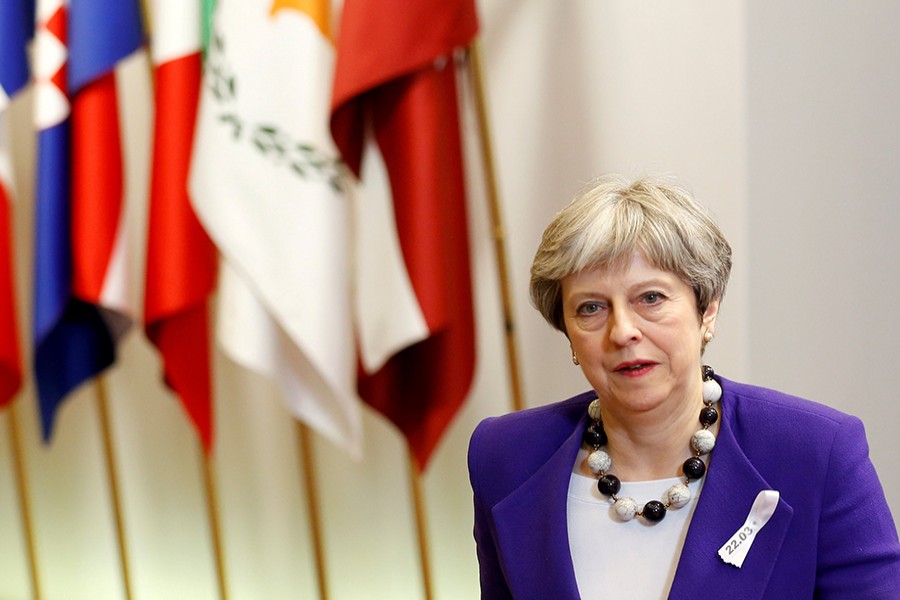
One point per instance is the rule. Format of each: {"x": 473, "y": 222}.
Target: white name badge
{"x": 735, "y": 549}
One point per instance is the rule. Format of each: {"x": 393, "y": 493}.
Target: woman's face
{"x": 637, "y": 335}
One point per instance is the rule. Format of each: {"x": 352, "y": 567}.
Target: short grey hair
{"x": 614, "y": 217}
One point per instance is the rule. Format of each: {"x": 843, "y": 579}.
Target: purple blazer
{"x": 831, "y": 536}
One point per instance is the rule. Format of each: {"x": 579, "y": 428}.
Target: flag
{"x": 266, "y": 184}
{"x": 80, "y": 299}
{"x": 395, "y": 83}
{"x": 16, "y": 23}
{"x": 181, "y": 259}
{"x": 10, "y": 353}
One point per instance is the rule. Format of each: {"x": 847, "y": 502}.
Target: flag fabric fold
{"x": 266, "y": 184}
{"x": 80, "y": 301}
{"x": 16, "y": 23}
{"x": 395, "y": 82}
{"x": 10, "y": 351}
{"x": 102, "y": 33}
{"x": 181, "y": 259}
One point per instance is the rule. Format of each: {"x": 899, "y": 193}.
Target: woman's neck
{"x": 650, "y": 445}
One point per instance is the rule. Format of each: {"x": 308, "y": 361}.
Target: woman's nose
{"x": 624, "y": 329}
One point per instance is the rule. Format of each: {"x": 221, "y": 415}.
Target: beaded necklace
{"x": 679, "y": 494}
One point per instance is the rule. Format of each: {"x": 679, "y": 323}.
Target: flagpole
{"x": 497, "y": 229}
{"x": 415, "y": 479}
{"x": 24, "y": 506}
{"x": 212, "y": 510}
{"x": 312, "y": 506}
{"x": 113, "y": 482}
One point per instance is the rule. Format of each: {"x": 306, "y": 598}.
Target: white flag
{"x": 265, "y": 182}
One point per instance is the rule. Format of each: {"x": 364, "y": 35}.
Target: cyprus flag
{"x": 266, "y": 184}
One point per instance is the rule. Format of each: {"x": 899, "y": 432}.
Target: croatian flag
{"x": 80, "y": 296}
{"x": 16, "y": 24}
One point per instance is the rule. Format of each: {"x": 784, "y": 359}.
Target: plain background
{"x": 784, "y": 118}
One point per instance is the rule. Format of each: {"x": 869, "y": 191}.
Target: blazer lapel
{"x": 731, "y": 486}
{"x": 532, "y": 529}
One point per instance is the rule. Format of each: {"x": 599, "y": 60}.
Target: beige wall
{"x": 823, "y": 99}
{"x": 783, "y": 120}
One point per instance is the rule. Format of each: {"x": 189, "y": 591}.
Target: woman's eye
{"x": 589, "y": 308}
{"x": 653, "y": 297}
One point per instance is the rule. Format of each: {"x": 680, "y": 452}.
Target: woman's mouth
{"x": 635, "y": 368}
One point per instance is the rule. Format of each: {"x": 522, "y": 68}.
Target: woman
{"x": 666, "y": 480}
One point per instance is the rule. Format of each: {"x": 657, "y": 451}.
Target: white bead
{"x": 625, "y": 508}
{"x": 598, "y": 461}
{"x": 712, "y": 391}
{"x": 703, "y": 441}
{"x": 678, "y": 495}
{"x": 594, "y": 409}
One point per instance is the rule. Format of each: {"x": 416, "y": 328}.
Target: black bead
{"x": 707, "y": 372}
{"x": 694, "y": 468}
{"x": 708, "y": 415}
{"x": 654, "y": 511}
{"x": 594, "y": 436}
{"x": 609, "y": 485}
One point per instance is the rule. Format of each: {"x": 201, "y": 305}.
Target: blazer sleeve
{"x": 858, "y": 548}
{"x": 493, "y": 581}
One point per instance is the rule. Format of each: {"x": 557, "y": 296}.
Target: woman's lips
{"x": 635, "y": 368}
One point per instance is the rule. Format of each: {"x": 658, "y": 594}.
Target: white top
{"x": 634, "y": 559}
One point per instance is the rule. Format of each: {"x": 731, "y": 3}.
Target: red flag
{"x": 181, "y": 259}
{"x": 395, "y": 77}
{"x": 10, "y": 358}
{"x": 97, "y": 186}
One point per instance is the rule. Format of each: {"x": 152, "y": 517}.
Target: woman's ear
{"x": 708, "y": 319}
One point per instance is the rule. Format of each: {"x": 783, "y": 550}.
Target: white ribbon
{"x": 735, "y": 549}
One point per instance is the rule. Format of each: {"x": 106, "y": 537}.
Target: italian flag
{"x": 181, "y": 259}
